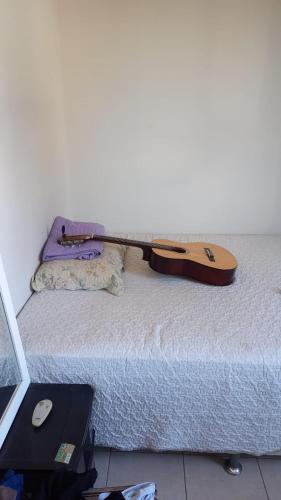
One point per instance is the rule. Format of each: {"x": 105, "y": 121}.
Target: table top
{"x": 60, "y": 439}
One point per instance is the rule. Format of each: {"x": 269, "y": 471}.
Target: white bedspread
{"x": 176, "y": 365}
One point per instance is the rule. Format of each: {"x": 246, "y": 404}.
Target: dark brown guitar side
{"x": 200, "y": 261}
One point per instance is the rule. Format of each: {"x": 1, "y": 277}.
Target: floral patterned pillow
{"x": 73, "y": 274}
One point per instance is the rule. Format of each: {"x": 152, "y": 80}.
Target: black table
{"x": 28, "y": 448}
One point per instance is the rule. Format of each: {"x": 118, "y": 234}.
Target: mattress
{"x": 9, "y": 374}
{"x": 176, "y": 364}
{"x": 9, "y": 371}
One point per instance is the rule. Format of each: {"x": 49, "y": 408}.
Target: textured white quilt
{"x": 176, "y": 365}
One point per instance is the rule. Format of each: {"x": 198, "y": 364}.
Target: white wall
{"x": 33, "y": 180}
{"x": 173, "y": 113}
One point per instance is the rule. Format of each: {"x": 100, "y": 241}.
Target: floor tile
{"x": 166, "y": 470}
{"x": 102, "y": 456}
{"x": 206, "y": 479}
{"x": 271, "y": 473}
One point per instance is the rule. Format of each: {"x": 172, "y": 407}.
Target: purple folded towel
{"x": 89, "y": 250}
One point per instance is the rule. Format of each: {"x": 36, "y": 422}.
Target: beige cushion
{"x": 73, "y": 274}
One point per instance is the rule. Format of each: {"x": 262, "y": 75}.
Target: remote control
{"x": 41, "y": 411}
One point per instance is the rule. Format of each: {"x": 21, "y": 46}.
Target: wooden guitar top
{"x": 196, "y": 252}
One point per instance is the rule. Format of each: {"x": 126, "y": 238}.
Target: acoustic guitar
{"x": 204, "y": 262}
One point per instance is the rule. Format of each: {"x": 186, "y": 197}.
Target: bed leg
{"x": 232, "y": 465}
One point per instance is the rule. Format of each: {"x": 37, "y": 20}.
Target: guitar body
{"x": 195, "y": 263}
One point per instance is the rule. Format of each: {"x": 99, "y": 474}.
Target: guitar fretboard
{"x": 135, "y": 243}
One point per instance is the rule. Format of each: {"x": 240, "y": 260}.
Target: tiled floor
{"x": 190, "y": 477}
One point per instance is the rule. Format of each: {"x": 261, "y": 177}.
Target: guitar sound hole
{"x": 179, "y": 250}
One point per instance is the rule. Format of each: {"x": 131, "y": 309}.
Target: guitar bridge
{"x": 209, "y": 254}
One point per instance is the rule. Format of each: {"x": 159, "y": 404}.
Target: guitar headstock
{"x": 67, "y": 242}
{"x": 71, "y": 241}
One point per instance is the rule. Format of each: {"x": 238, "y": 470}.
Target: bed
{"x": 176, "y": 364}
{"x": 9, "y": 372}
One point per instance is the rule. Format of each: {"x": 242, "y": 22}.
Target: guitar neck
{"x": 144, "y": 245}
